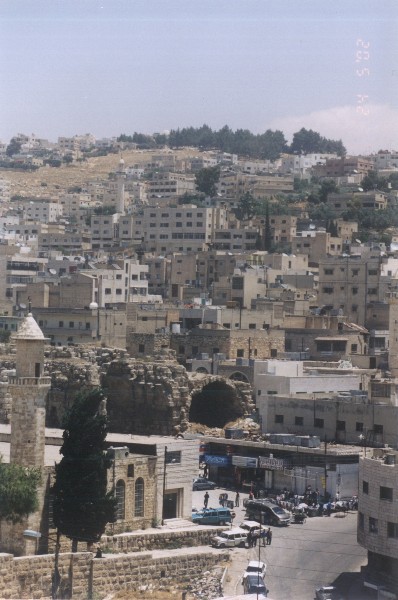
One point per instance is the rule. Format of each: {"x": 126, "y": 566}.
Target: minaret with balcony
{"x": 29, "y": 388}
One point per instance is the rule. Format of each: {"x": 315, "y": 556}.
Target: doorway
{"x": 170, "y": 505}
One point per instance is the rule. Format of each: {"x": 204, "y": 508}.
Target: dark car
{"x": 201, "y": 483}
{"x": 254, "y": 584}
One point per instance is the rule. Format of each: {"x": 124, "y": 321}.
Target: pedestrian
{"x": 251, "y": 495}
{"x": 98, "y": 554}
{"x": 269, "y": 536}
{"x": 254, "y": 539}
{"x": 206, "y": 499}
{"x": 249, "y": 540}
{"x": 237, "y": 499}
{"x": 220, "y": 499}
{"x": 263, "y": 536}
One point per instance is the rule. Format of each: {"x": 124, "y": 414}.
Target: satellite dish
{"x": 52, "y": 271}
{"x": 358, "y": 241}
{"x": 23, "y": 306}
{"x": 360, "y": 189}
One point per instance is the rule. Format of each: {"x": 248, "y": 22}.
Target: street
{"x": 302, "y": 557}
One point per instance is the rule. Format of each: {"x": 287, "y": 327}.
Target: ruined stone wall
{"x": 83, "y": 576}
{"x": 144, "y": 396}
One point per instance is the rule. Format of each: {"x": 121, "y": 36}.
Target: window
{"x": 173, "y": 457}
{"x": 60, "y": 324}
{"x": 299, "y": 420}
{"x": 373, "y": 525}
{"x": 130, "y": 470}
{"x": 359, "y": 426}
{"x": 237, "y": 283}
{"x": 319, "y": 423}
{"x": 240, "y": 353}
{"x": 327, "y": 290}
{"x": 274, "y": 352}
{"x": 386, "y": 493}
{"x": 340, "y": 425}
{"x": 377, "y": 428}
{"x": 120, "y": 498}
{"x": 108, "y": 291}
{"x": 365, "y": 487}
{"x": 118, "y": 292}
{"x": 373, "y": 272}
{"x": 279, "y": 419}
{"x": 139, "y": 498}
{"x": 354, "y": 348}
{"x": 354, "y": 308}
{"x": 392, "y": 530}
{"x": 355, "y": 272}
{"x": 372, "y": 291}
{"x": 328, "y": 271}
{"x": 361, "y": 521}
{"x": 355, "y": 290}
{"x": 141, "y": 348}
{"x": 118, "y": 276}
{"x": 252, "y": 326}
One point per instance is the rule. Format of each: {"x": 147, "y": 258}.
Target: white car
{"x": 230, "y": 539}
{"x": 254, "y": 567}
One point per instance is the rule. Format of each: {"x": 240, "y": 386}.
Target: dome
{"x": 93, "y": 305}
{"x": 29, "y": 330}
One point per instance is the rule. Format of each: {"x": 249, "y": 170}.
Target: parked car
{"x": 255, "y": 567}
{"x": 327, "y": 592}
{"x": 201, "y": 483}
{"x": 230, "y": 539}
{"x": 253, "y": 526}
{"x": 212, "y": 516}
{"x": 254, "y": 584}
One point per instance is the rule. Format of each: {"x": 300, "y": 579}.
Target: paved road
{"x": 301, "y": 557}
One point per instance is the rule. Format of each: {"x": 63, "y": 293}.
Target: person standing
{"x": 249, "y": 540}
{"x": 268, "y": 535}
{"x": 206, "y": 499}
{"x": 237, "y": 499}
{"x": 263, "y": 536}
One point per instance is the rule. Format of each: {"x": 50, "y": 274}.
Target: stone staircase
{"x": 177, "y": 524}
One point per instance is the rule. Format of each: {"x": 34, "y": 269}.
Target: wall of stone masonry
{"x": 144, "y": 396}
{"x": 84, "y": 576}
{"x": 159, "y": 540}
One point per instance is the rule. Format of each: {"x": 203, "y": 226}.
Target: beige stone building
{"x": 378, "y": 518}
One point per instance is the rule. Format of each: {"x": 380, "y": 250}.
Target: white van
{"x": 230, "y": 539}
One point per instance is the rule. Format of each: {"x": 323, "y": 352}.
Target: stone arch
{"x": 238, "y": 376}
{"x": 202, "y": 370}
{"x": 216, "y": 403}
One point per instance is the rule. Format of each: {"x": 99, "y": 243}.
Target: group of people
{"x": 265, "y": 537}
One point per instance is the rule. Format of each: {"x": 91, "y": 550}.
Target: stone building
{"x": 378, "y": 517}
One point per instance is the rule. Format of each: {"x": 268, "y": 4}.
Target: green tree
{"x": 267, "y": 230}
{"x": 206, "y": 179}
{"x": 82, "y": 505}
{"x": 246, "y": 208}
{"x": 13, "y": 147}
{"x": 328, "y": 186}
{"x": 306, "y": 141}
{"x": 18, "y": 491}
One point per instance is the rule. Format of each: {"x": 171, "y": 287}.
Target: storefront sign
{"x": 275, "y": 464}
{"x": 218, "y": 461}
{"x": 244, "y": 461}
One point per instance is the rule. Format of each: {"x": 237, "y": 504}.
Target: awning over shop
{"x": 218, "y": 461}
{"x": 245, "y": 461}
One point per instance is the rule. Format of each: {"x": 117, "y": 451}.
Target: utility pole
{"x": 326, "y": 469}
{"x": 164, "y": 481}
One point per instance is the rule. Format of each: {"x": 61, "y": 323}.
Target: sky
{"x": 118, "y": 66}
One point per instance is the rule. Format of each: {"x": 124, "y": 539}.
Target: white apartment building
{"x": 72, "y": 203}
{"x": 186, "y": 228}
{"x": 299, "y": 165}
{"x": 41, "y": 211}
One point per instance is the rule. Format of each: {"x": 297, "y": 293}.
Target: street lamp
{"x": 56, "y": 578}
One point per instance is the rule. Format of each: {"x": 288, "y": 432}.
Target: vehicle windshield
{"x": 223, "y": 535}
{"x": 278, "y": 510}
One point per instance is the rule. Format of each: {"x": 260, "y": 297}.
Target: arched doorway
{"x": 215, "y": 405}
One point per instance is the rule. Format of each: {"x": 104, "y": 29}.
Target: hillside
{"x": 48, "y": 181}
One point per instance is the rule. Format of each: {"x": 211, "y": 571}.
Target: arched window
{"x": 139, "y": 498}
{"x": 120, "y": 497}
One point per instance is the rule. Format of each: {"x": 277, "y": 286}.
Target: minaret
{"x": 28, "y": 389}
{"x": 120, "y": 177}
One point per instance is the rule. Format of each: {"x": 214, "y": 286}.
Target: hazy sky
{"x": 119, "y": 66}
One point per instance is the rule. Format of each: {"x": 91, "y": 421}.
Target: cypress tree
{"x": 82, "y": 505}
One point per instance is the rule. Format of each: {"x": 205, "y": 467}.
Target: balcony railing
{"x": 29, "y": 380}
